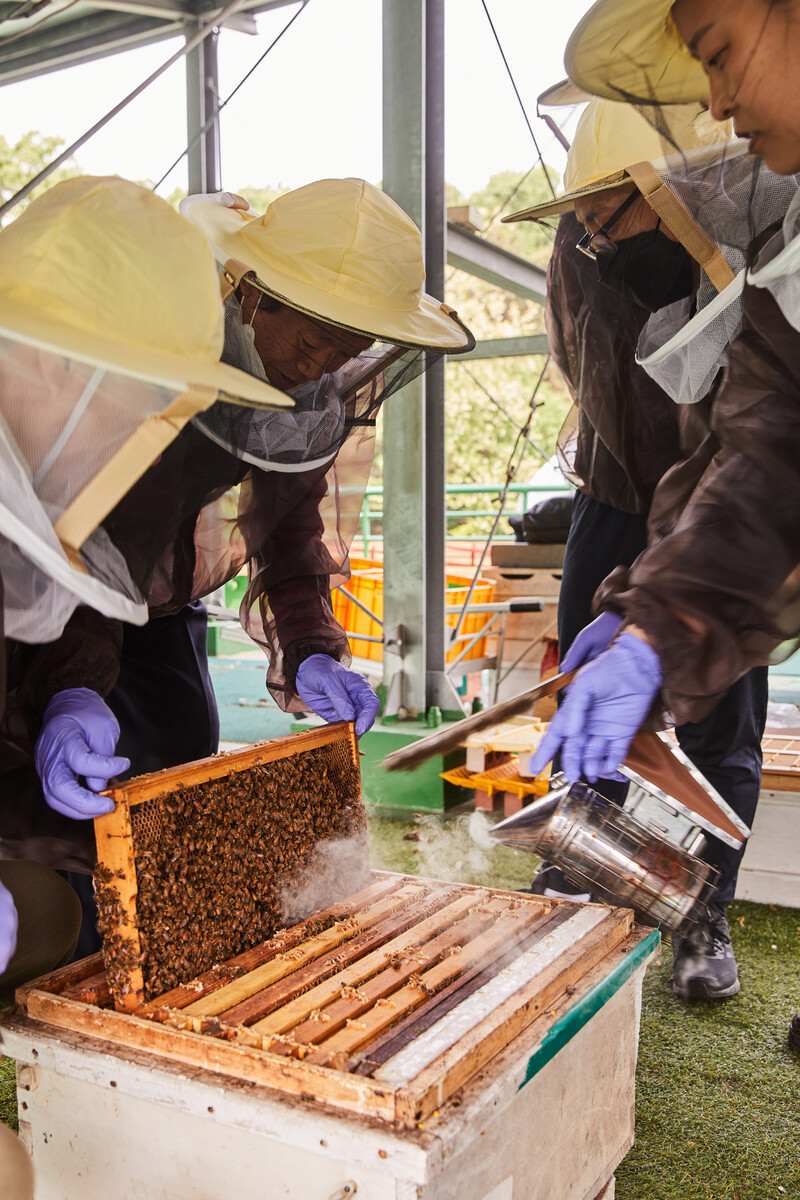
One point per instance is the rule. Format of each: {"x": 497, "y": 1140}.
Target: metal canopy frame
{"x": 88, "y": 31}
{"x": 413, "y": 174}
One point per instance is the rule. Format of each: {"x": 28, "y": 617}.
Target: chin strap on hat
{"x": 663, "y": 201}
{"x": 231, "y": 276}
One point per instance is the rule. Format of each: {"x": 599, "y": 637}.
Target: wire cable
{"x": 511, "y": 470}
{"x": 519, "y": 98}
{"x": 204, "y": 129}
{"x": 511, "y": 420}
{"x": 193, "y": 41}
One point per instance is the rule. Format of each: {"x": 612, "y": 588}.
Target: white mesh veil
{"x": 776, "y": 266}
{"x": 733, "y": 197}
{"x": 70, "y": 433}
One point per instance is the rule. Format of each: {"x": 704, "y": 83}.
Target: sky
{"x": 313, "y": 107}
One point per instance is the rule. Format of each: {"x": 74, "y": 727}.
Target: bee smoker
{"x": 646, "y": 855}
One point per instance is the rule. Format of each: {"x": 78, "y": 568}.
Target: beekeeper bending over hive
{"x": 721, "y": 592}
{"x": 621, "y": 275}
{"x": 111, "y": 331}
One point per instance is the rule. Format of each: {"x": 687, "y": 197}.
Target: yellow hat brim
{"x": 429, "y": 325}
{"x": 630, "y": 50}
{"x": 567, "y": 202}
{"x": 562, "y": 95}
{"x": 35, "y": 328}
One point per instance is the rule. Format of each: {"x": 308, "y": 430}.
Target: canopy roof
{"x": 84, "y": 32}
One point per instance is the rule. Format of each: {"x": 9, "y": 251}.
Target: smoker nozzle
{"x": 525, "y": 828}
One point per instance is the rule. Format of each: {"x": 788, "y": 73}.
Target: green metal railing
{"x": 528, "y": 492}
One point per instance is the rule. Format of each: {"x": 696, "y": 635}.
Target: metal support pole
{"x": 202, "y": 99}
{"x": 440, "y": 690}
{"x": 404, "y": 553}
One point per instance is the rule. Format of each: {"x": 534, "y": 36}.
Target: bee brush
{"x": 444, "y": 740}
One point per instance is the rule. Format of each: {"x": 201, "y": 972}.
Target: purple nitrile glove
{"x": 8, "y": 927}
{"x": 79, "y": 736}
{"x": 605, "y": 706}
{"x": 336, "y": 693}
{"x": 591, "y": 641}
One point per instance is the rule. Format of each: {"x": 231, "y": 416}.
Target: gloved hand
{"x": 8, "y": 927}
{"x": 591, "y": 641}
{"x": 335, "y": 693}
{"x": 79, "y": 736}
{"x": 603, "y": 709}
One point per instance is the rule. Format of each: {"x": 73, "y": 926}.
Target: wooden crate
{"x": 202, "y": 861}
{"x": 385, "y": 1004}
{"x": 524, "y": 631}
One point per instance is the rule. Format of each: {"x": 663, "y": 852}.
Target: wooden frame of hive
{"x": 115, "y": 836}
{"x": 479, "y": 993}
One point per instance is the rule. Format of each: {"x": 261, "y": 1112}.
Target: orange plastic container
{"x": 366, "y": 585}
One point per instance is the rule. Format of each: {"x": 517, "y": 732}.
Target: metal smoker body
{"x": 645, "y": 855}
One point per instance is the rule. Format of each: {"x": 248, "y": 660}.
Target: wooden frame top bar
{"x": 146, "y": 787}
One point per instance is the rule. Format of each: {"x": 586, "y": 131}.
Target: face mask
{"x": 650, "y": 269}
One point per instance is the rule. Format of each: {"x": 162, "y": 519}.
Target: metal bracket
{"x": 394, "y": 641}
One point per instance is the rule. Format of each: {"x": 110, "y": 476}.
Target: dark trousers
{"x": 49, "y": 920}
{"x": 726, "y": 745}
{"x": 167, "y": 712}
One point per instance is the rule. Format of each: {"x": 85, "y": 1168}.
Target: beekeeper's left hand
{"x": 603, "y": 709}
{"x": 336, "y": 693}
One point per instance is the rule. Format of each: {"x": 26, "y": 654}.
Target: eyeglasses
{"x": 599, "y": 244}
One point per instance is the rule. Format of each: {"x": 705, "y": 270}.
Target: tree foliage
{"x": 489, "y": 400}
{"x": 22, "y": 162}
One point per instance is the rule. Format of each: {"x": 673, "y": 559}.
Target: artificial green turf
{"x": 718, "y": 1088}
{"x": 8, "y": 1093}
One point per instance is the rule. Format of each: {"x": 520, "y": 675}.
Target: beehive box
{"x": 384, "y": 1004}
{"x": 201, "y": 862}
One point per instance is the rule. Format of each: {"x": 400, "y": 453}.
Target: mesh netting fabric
{"x": 733, "y": 197}
{"x": 325, "y": 412}
{"x": 775, "y": 268}
{"x": 61, "y": 424}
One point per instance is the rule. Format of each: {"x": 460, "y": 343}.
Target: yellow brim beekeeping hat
{"x": 105, "y": 272}
{"x": 611, "y": 137}
{"x": 631, "y": 50}
{"x": 342, "y": 251}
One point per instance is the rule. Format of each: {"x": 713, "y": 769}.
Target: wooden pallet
{"x": 385, "y": 1004}
{"x": 781, "y": 762}
{"x": 223, "y": 885}
{"x": 500, "y": 788}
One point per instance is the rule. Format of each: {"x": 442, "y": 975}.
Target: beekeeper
{"x": 111, "y": 331}
{"x": 324, "y": 297}
{"x": 616, "y": 265}
{"x": 721, "y": 592}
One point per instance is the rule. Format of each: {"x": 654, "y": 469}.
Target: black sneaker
{"x": 551, "y": 881}
{"x": 703, "y": 963}
{"x": 794, "y": 1032}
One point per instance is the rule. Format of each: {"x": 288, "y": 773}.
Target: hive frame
{"x": 114, "y": 833}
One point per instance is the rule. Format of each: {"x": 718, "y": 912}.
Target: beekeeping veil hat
{"x": 345, "y": 255}
{"x": 631, "y": 50}
{"x": 111, "y": 331}
{"x": 711, "y": 195}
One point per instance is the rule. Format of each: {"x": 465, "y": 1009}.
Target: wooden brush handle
{"x": 445, "y": 740}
